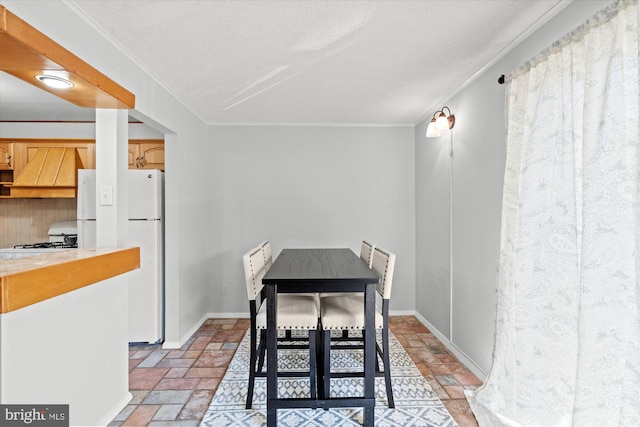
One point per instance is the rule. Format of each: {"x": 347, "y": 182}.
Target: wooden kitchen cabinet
{"x": 6, "y": 180}
{"x": 6, "y": 168}
{"x": 146, "y": 154}
{"x": 6, "y": 156}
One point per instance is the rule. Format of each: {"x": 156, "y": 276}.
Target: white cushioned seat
{"x": 345, "y": 311}
{"x": 294, "y": 312}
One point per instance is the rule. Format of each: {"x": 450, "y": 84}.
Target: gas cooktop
{"x": 47, "y": 245}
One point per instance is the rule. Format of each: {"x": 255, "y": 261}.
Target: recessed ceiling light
{"x": 54, "y": 81}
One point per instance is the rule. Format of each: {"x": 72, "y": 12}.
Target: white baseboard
{"x": 115, "y": 410}
{"x": 243, "y": 315}
{"x": 185, "y": 337}
{"x": 402, "y": 313}
{"x": 463, "y": 358}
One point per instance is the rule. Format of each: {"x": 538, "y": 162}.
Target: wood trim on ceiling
{"x": 26, "y": 52}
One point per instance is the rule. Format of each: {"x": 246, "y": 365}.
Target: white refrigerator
{"x": 145, "y": 229}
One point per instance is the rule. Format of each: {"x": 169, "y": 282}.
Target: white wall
{"x": 433, "y": 185}
{"x": 187, "y": 284}
{"x": 71, "y": 349}
{"x": 467, "y": 319}
{"x": 305, "y": 186}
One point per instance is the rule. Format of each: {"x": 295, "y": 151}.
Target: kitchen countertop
{"x": 30, "y": 280}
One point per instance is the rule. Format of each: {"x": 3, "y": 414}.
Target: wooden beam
{"x": 26, "y": 52}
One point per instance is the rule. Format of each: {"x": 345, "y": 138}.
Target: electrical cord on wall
{"x": 451, "y": 237}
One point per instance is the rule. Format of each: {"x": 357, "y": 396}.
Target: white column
{"x": 112, "y": 200}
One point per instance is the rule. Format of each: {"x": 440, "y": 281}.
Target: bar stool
{"x": 346, "y": 312}
{"x": 295, "y": 312}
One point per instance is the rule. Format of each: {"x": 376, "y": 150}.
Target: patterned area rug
{"x": 416, "y": 403}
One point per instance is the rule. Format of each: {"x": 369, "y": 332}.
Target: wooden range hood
{"x": 26, "y": 52}
{"x": 53, "y": 172}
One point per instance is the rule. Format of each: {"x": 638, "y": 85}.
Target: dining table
{"x": 320, "y": 270}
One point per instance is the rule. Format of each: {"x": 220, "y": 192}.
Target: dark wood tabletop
{"x": 319, "y": 270}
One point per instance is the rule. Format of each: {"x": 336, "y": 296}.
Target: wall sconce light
{"x": 440, "y": 123}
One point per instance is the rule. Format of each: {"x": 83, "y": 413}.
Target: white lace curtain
{"x": 567, "y": 349}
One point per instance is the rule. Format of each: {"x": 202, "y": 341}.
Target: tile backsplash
{"x": 28, "y": 220}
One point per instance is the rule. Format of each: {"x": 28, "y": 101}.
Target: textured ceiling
{"x": 324, "y": 62}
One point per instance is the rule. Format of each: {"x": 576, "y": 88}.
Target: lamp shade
{"x": 442, "y": 123}
{"x": 432, "y": 129}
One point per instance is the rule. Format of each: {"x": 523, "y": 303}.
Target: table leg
{"x": 320, "y": 358}
{"x": 272, "y": 355}
{"x": 369, "y": 352}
